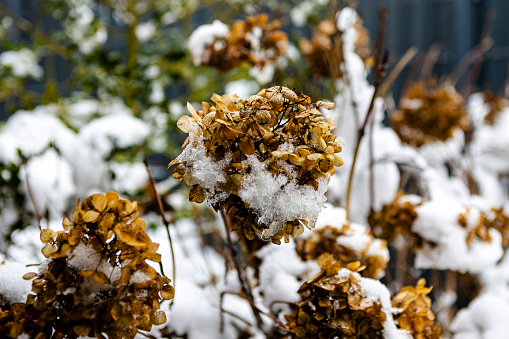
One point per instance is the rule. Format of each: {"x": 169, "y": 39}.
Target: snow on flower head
{"x": 347, "y": 242}
{"x": 254, "y": 40}
{"x": 265, "y": 160}
{"x": 204, "y": 38}
{"x": 96, "y": 277}
{"x": 339, "y": 302}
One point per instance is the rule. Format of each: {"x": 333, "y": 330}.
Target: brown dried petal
{"x": 47, "y": 235}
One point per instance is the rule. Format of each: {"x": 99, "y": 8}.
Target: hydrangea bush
{"x": 392, "y": 228}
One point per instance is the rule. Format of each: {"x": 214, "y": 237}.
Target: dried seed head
{"x": 85, "y": 258}
{"x": 278, "y": 131}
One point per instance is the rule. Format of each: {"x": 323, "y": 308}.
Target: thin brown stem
{"x": 429, "y": 62}
{"x": 384, "y": 88}
{"x": 246, "y": 289}
{"x": 165, "y": 222}
{"x": 376, "y": 84}
{"x": 275, "y": 319}
{"x": 474, "y": 57}
{"x": 371, "y": 167}
{"x": 396, "y": 70}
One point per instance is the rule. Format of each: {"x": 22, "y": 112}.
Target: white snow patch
{"x": 22, "y": 63}
{"x": 277, "y": 199}
{"x": 117, "y": 130}
{"x": 13, "y": 288}
{"x": 202, "y": 39}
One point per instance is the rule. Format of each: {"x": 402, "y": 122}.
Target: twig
{"x": 429, "y": 62}
{"x": 275, "y": 319}
{"x": 371, "y": 149}
{"x": 398, "y": 68}
{"x": 485, "y": 44}
{"x": 30, "y": 193}
{"x": 476, "y": 54}
{"x": 165, "y": 222}
{"x": 376, "y": 83}
{"x": 384, "y": 88}
{"x": 246, "y": 289}
{"x": 221, "y": 318}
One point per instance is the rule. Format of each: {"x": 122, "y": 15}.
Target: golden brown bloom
{"x": 325, "y": 50}
{"x": 325, "y": 240}
{"x": 255, "y": 41}
{"x": 415, "y": 314}
{"x": 496, "y": 105}
{"x": 494, "y": 219}
{"x": 429, "y": 114}
{"x": 96, "y": 279}
{"x": 265, "y": 160}
{"x": 333, "y": 304}
{"x": 394, "y": 219}
{"x": 15, "y": 320}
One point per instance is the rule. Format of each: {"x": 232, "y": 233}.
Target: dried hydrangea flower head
{"x": 415, "y": 314}
{"x": 373, "y": 256}
{"x": 325, "y": 50}
{"x": 429, "y": 114}
{"x": 255, "y": 41}
{"x": 333, "y": 305}
{"x": 15, "y": 322}
{"x": 479, "y": 228}
{"x": 265, "y": 160}
{"x": 394, "y": 219}
{"x": 496, "y": 105}
{"x": 96, "y": 279}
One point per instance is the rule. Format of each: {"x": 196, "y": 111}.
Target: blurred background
{"x": 454, "y": 26}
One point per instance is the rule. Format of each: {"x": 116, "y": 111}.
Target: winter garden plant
{"x": 330, "y": 222}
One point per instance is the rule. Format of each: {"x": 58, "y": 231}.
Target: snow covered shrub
{"x": 253, "y": 40}
{"x": 429, "y": 113}
{"x": 265, "y": 160}
{"x": 96, "y": 279}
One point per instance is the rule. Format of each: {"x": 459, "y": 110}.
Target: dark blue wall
{"x": 455, "y": 24}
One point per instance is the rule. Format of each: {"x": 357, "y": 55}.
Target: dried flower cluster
{"x": 494, "y": 219}
{"x": 429, "y": 113}
{"x": 96, "y": 279}
{"x": 415, "y": 315}
{"x": 325, "y": 240}
{"x": 255, "y": 41}
{"x": 15, "y": 321}
{"x": 394, "y": 219}
{"x": 266, "y": 160}
{"x": 333, "y": 305}
{"x": 496, "y": 105}
{"x": 325, "y": 50}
